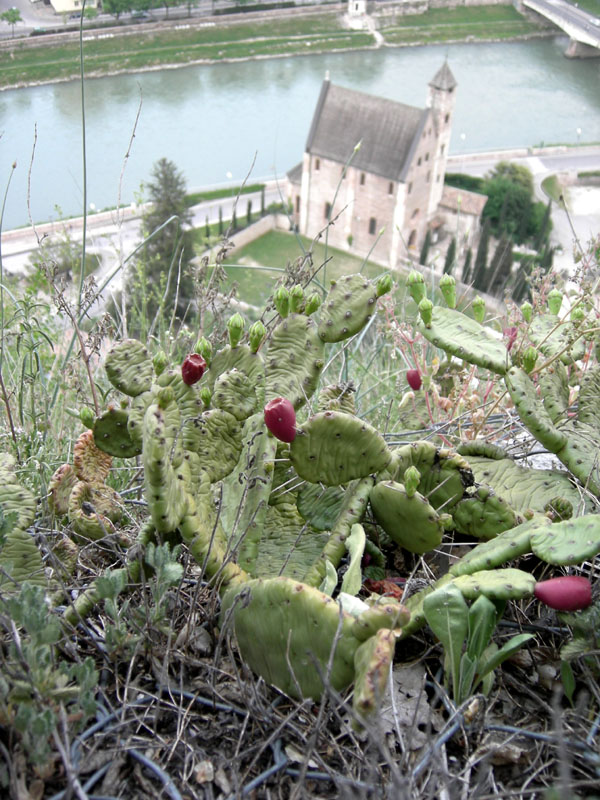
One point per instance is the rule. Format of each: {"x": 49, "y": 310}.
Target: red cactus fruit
{"x": 280, "y": 419}
{"x": 567, "y": 593}
{"x": 413, "y": 376}
{"x": 192, "y": 368}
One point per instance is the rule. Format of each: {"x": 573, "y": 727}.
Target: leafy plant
{"x": 465, "y": 632}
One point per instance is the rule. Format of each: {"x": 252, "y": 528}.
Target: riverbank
{"x": 210, "y": 40}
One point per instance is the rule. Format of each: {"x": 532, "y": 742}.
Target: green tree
{"x": 117, "y": 7}
{"x": 466, "y": 270}
{"x": 90, "y": 12}
{"x": 11, "y": 16}
{"x": 220, "y": 220}
{"x": 481, "y": 257}
{"x": 500, "y": 267}
{"x": 507, "y": 203}
{"x": 425, "y": 248}
{"x": 249, "y": 212}
{"x": 168, "y": 252}
{"x": 542, "y": 228}
{"x": 515, "y": 173}
{"x": 450, "y": 257}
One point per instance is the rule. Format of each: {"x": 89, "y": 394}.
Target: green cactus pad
{"x": 349, "y": 305}
{"x": 372, "y": 663}
{"x": 569, "y": 542}
{"x": 532, "y": 411}
{"x": 93, "y": 510}
{"x": 242, "y": 358}
{"x": 233, "y": 391}
{"x": 554, "y": 389}
{"x": 216, "y": 437}
{"x": 112, "y": 434}
{"x": 135, "y": 416}
{"x": 410, "y": 521}
{"x": 284, "y": 628}
{"x": 505, "y": 547}
{"x": 387, "y": 614}
{"x": 187, "y": 397}
{"x": 294, "y": 361}
{"x": 334, "y": 448}
{"x": 288, "y": 546}
{"x": 445, "y": 475}
{"x": 463, "y": 337}
{"x": 320, "y": 506}
{"x": 337, "y": 397}
{"x": 589, "y": 394}
{"x": 89, "y": 462}
{"x": 414, "y": 606}
{"x": 484, "y": 514}
{"x": 164, "y": 487}
{"x": 482, "y": 448}
{"x": 525, "y": 488}
{"x": 551, "y": 337}
{"x": 129, "y": 367}
{"x": 496, "y": 584}
{"x": 59, "y": 489}
{"x": 19, "y": 556}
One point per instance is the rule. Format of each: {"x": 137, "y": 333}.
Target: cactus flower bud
{"x": 256, "y": 334}
{"x": 448, "y": 289}
{"x": 192, "y": 368}
{"x": 527, "y": 311}
{"x": 529, "y": 358}
{"x": 235, "y": 326}
{"x": 412, "y": 477}
{"x": 426, "y": 311}
{"x": 86, "y": 415}
{"x": 384, "y": 284}
{"x": 416, "y": 286}
{"x": 555, "y": 298}
{"x": 205, "y": 396}
{"x": 567, "y": 593}
{"x": 479, "y": 309}
{"x": 296, "y": 299}
{"x": 413, "y": 378}
{"x": 577, "y": 314}
{"x": 159, "y": 362}
{"x": 281, "y": 298}
{"x": 280, "y": 419}
{"x": 205, "y": 349}
{"x": 313, "y": 303}
{"x": 165, "y": 396}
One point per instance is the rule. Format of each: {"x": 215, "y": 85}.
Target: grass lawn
{"x": 440, "y": 24}
{"x": 257, "y": 267}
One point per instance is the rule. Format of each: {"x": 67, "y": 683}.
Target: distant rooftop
{"x": 386, "y": 130}
{"x": 463, "y": 201}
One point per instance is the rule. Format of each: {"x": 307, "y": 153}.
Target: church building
{"x": 374, "y": 168}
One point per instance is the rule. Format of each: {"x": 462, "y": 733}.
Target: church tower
{"x": 440, "y": 99}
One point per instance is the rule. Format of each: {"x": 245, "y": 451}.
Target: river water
{"x": 214, "y": 121}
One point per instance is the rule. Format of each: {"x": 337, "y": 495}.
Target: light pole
{"x": 578, "y": 135}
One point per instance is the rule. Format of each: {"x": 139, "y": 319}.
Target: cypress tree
{"x": 544, "y": 227}
{"x": 466, "y": 271}
{"x": 501, "y": 266}
{"x": 450, "y": 257}
{"x": 207, "y": 228}
{"x": 234, "y": 220}
{"x": 249, "y": 212}
{"x": 425, "y": 248}
{"x": 481, "y": 257}
{"x": 262, "y": 201}
{"x": 220, "y": 221}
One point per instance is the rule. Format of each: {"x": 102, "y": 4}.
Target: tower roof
{"x": 443, "y": 78}
{"x": 387, "y": 130}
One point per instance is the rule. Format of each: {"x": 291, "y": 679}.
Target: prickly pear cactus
{"x": 20, "y": 559}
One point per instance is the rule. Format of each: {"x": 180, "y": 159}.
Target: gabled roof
{"x": 460, "y": 200}
{"x": 443, "y": 79}
{"x": 388, "y": 131}
{"x": 294, "y": 175}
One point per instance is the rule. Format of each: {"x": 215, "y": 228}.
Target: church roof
{"x": 443, "y": 79}
{"x": 387, "y": 130}
{"x": 460, "y": 200}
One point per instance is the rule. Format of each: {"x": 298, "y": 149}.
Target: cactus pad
{"x": 285, "y": 628}
{"x": 19, "y": 556}
{"x": 410, "y": 521}
{"x": 59, "y": 489}
{"x": 569, "y": 542}
{"x": 294, "y": 361}
{"x": 233, "y": 392}
{"x": 484, "y": 514}
{"x": 466, "y": 339}
{"x": 349, "y": 305}
{"x": 372, "y": 661}
{"x": 551, "y": 337}
{"x": 129, "y": 367}
{"x": 89, "y": 462}
{"x": 112, "y": 434}
{"x": 93, "y": 510}
{"x": 320, "y": 507}
{"x": 334, "y": 448}
{"x": 496, "y": 584}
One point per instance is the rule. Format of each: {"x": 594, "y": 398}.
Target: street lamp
{"x": 578, "y": 135}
